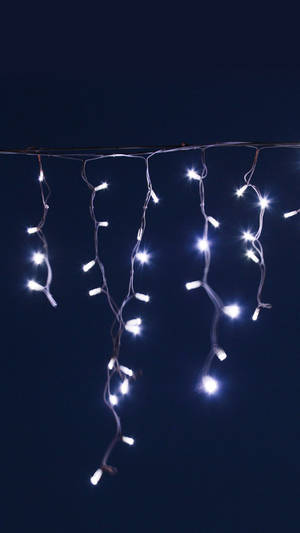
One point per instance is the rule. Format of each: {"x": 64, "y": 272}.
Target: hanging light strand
{"x": 42, "y": 257}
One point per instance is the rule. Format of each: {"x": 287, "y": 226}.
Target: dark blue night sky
{"x": 222, "y": 464}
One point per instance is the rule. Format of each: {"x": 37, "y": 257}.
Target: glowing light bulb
{"x": 124, "y": 387}
{"x": 38, "y": 258}
{"x": 142, "y": 297}
{"x": 96, "y": 477}
{"x": 32, "y": 230}
{"x": 193, "y": 285}
{"x": 41, "y": 176}
{"x": 264, "y": 202}
{"x": 126, "y": 370}
{"x": 221, "y": 354}
{"x": 154, "y": 197}
{"x": 95, "y": 291}
{"x": 111, "y": 363}
{"x": 232, "y": 310}
{"x": 113, "y": 399}
{"x": 239, "y": 192}
{"x": 290, "y": 214}
{"x": 203, "y": 245}
{"x": 193, "y": 175}
{"x": 251, "y": 255}
{"x": 139, "y": 234}
{"x": 248, "y": 236}
{"x": 210, "y": 385}
{"x": 213, "y": 222}
{"x": 88, "y": 266}
{"x": 133, "y": 328}
{"x": 34, "y": 286}
{"x": 128, "y": 440}
{"x": 103, "y": 224}
{"x": 255, "y": 314}
{"x": 101, "y": 187}
{"x": 134, "y": 322}
{"x": 143, "y": 257}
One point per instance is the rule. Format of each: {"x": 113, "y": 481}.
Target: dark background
{"x": 223, "y": 464}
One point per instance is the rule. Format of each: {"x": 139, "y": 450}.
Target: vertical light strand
{"x": 255, "y": 250}
{"x": 42, "y": 257}
{"x": 124, "y": 374}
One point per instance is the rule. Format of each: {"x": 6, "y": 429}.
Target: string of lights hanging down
{"x": 120, "y": 377}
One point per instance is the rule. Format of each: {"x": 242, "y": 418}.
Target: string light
{"x": 113, "y": 399}
{"x": 38, "y": 258}
{"x": 124, "y": 387}
{"x": 111, "y": 363}
{"x": 203, "y": 245}
{"x": 232, "y": 310}
{"x": 193, "y": 175}
{"x": 240, "y": 192}
{"x": 143, "y": 257}
{"x": 34, "y": 286}
{"x": 251, "y": 255}
{"x": 210, "y": 385}
{"x": 96, "y": 477}
{"x": 213, "y": 222}
{"x": 128, "y": 440}
{"x": 255, "y": 314}
{"x": 193, "y": 285}
{"x": 101, "y": 187}
{"x": 32, "y": 230}
{"x": 95, "y": 291}
{"x": 142, "y": 297}
{"x": 154, "y": 197}
{"x": 248, "y": 236}
{"x": 221, "y": 355}
{"x": 291, "y": 213}
{"x": 88, "y": 266}
{"x": 104, "y": 224}
{"x": 264, "y": 203}
{"x": 126, "y": 371}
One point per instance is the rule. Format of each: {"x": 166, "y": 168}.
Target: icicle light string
{"x": 114, "y": 369}
{"x": 42, "y": 257}
{"x": 118, "y": 374}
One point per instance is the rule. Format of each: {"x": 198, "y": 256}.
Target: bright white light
{"x": 128, "y": 440}
{"x": 139, "y": 234}
{"x": 95, "y": 291}
{"x": 124, "y": 387}
{"x": 135, "y": 329}
{"x": 248, "y": 236}
{"x": 210, "y": 385}
{"x": 221, "y": 354}
{"x": 96, "y": 477}
{"x": 192, "y": 175}
{"x": 239, "y": 192}
{"x": 126, "y": 370}
{"x": 154, "y": 197}
{"x": 104, "y": 224}
{"x": 251, "y": 255}
{"x": 113, "y": 399}
{"x": 102, "y": 186}
{"x": 290, "y": 214}
{"x": 32, "y": 230}
{"x": 38, "y": 258}
{"x": 264, "y": 202}
{"x": 193, "y": 285}
{"x": 232, "y": 310}
{"x": 255, "y": 314}
{"x": 215, "y": 223}
{"x": 41, "y": 176}
{"x": 142, "y": 297}
{"x": 34, "y": 286}
{"x": 134, "y": 322}
{"x": 143, "y": 257}
{"x": 203, "y": 245}
{"x": 111, "y": 363}
{"x": 88, "y": 266}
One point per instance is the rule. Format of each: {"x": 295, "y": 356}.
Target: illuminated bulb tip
{"x": 154, "y": 197}
{"x": 221, "y": 354}
{"x": 113, "y": 399}
{"x": 124, "y": 387}
{"x": 139, "y": 234}
{"x": 264, "y": 202}
{"x": 251, "y": 255}
{"x": 142, "y": 297}
{"x": 135, "y": 329}
{"x": 96, "y": 477}
{"x": 103, "y": 224}
{"x": 32, "y": 230}
{"x": 128, "y": 440}
{"x": 239, "y": 192}
{"x": 247, "y": 236}
{"x": 101, "y": 187}
{"x": 38, "y": 258}
{"x": 143, "y": 257}
{"x": 213, "y": 222}
{"x": 290, "y": 214}
{"x": 34, "y": 286}
{"x": 88, "y": 266}
{"x": 134, "y": 322}
{"x": 255, "y": 314}
{"x": 111, "y": 363}
{"x": 126, "y": 370}
{"x": 232, "y": 310}
{"x": 193, "y": 285}
{"x": 41, "y": 176}
{"x": 193, "y": 175}
{"x": 210, "y": 385}
{"x": 95, "y": 291}
{"x": 203, "y": 245}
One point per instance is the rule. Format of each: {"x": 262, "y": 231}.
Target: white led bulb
{"x": 142, "y": 297}
{"x": 128, "y": 440}
{"x": 213, "y": 222}
{"x": 32, "y": 230}
{"x": 210, "y": 385}
{"x": 251, "y": 255}
{"x": 96, "y": 477}
{"x": 34, "y": 286}
{"x": 232, "y": 310}
{"x": 154, "y": 197}
{"x": 193, "y": 285}
{"x": 88, "y": 266}
{"x": 124, "y": 387}
{"x": 95, "y": 291}
{"x": 101, "y": 187}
